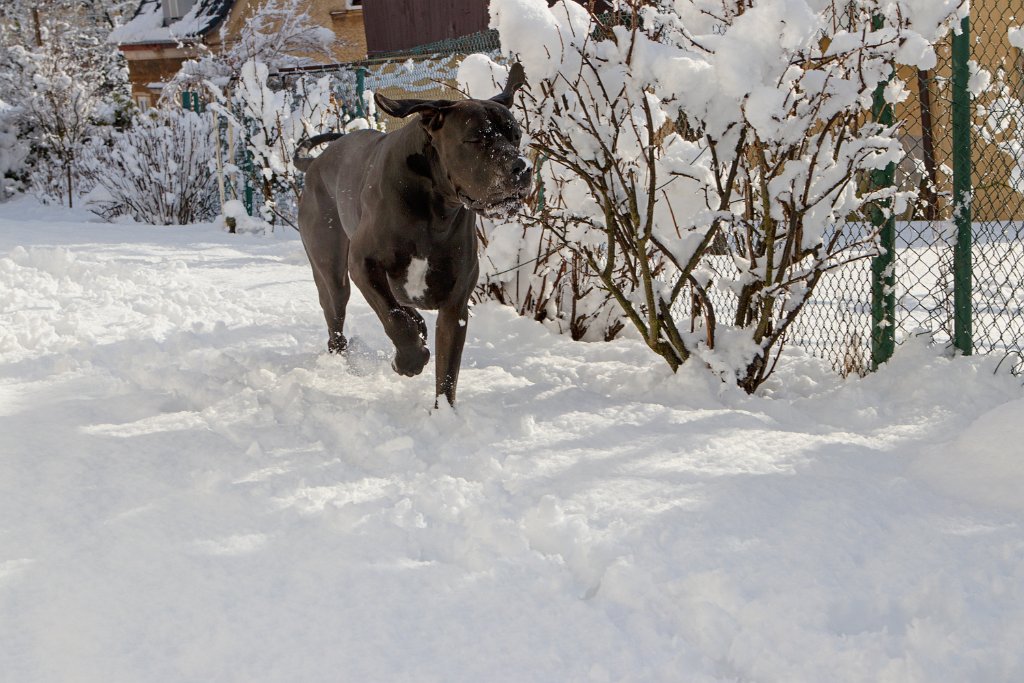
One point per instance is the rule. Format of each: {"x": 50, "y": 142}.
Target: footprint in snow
{"x": 363, "y": 359}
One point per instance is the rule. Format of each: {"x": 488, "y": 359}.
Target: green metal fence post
{"x": 962, "y": 267}
{"x": 190, "y": 101}
{"x": 883, "y": 266}
{"x": 360, "y": 89}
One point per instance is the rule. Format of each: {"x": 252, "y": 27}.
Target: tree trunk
{"x": 928, "y": 194}
{"x": 67, "y": 168}
{"x": 36, "y": 27}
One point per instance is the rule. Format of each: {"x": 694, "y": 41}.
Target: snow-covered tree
{"x": 13, "y": 152}
{"x": 702, "y": 144}
{"x": 63, "y": 79}
{"x": 27, "y": 22}
{"x": 62, "y": 106}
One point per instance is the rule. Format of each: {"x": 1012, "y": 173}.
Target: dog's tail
{"x": 302, "y": 161}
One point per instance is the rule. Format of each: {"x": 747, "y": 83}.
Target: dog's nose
{"x": 520, "y": 166}
{"x": 521, "y": 170}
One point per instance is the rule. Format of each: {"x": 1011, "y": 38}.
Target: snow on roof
{"x": 147, "y": 25}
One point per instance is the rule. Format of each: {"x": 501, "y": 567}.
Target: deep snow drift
{"x": 193, "y": 490}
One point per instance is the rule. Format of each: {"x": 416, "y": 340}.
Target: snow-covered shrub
{"x": 157, "y": 170}
{"x": 241, "y": 83}
{"x": 703, "y": 144}
{"x": 528, "y": 268}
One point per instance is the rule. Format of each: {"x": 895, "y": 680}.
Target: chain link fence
{"x": 425, "y": 72}
{"x": 953, "y": 267}
{"x": 960, "y": 263}
{"x": 998, "y": 181}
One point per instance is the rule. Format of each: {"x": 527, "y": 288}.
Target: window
{"x": 353, "y": 4}
{"x": 176, "y": 9}
{"x": 142, "y": 102}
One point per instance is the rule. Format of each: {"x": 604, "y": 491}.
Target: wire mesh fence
{"x": 426, "y": 72}
{"x": 998, "y": 271}
{"x": 985, "y": 229}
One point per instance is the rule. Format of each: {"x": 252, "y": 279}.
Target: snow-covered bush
{"x": 703, "y": 144}
{"x": 525, "y": 265}
{"x": 528, "y": 267}
{"x": 157, "y": 170}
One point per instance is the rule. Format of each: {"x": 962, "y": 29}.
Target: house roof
{"x": 147, "y": 25}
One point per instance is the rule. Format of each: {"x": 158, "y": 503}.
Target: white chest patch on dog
{"x": 416, "y": 278}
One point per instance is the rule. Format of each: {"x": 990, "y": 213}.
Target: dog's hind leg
{"x": 450, "y": 338}
{"x": 327, "y": 246}
{"x": 334, "y": 287}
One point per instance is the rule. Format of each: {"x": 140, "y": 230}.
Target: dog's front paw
{"x": 337, "y": 344}
{"x": 411, "y": 360}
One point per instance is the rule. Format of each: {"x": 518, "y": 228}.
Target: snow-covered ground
{"x": 192, "y": 490}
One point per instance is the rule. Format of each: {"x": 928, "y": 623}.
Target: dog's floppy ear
{"x": 516, "y": 80}
{"x": 432, "y": 111}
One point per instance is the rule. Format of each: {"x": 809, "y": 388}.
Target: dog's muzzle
{"x": 509, "y": 205}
